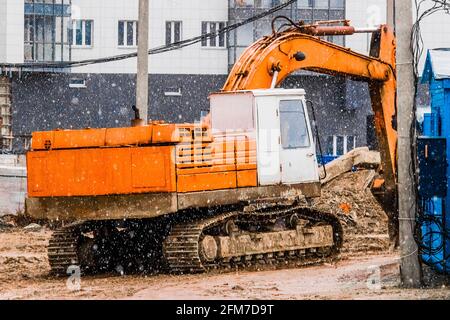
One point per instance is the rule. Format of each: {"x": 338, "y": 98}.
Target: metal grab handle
{"x": 318, "y": 138}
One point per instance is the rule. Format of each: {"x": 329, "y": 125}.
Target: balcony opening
{"x": 46, "y": 23}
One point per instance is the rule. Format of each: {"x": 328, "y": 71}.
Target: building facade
{"x": 102, "y": 94}
{"x": 41, "y": 97}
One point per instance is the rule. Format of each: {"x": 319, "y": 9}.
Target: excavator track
{"x": 71, "y": 246}
{"x": 181, "y": 247}
{"x": 183, "y": 250}
{"x": 63, "y": 250}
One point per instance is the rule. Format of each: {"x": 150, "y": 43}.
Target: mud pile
{"x": 365, "y": 224}
{"x": 23, "y": 253}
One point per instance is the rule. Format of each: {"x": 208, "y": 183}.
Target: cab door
{"x": 298, "y": 162}
{"x": 269, "y": 169}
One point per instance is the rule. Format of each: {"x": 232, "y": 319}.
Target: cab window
{"x": 294, "y": 129}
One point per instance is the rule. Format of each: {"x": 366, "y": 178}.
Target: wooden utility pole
{"x": 142, "y": 62}
{"x": 411, "y": 274}
{"x": 390, "y": 13}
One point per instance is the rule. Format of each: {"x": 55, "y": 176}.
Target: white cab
{"x": 278, "y": 118}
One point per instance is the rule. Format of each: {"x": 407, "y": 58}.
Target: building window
{"x": 127, "y": 34}
{"x": 256, "y": 3}
{"x": 45, "y": 36}
{"x": 212, "y": 27}
{"x": 173, "y": 92}
{"x": 305, "y": 3}
{"x": 173, "y": 31}
{"x": 339, "y": 145}
{"x": 340, "y": 148}
{"x": 329, "y": 146}
{"x": 243, "y": 3}
{"x": 351, "y": 143}
{"x": 81, "y": 33}
{"x": 339, "y": 40}
{"x": 269, "y": 3}
{"x": 77, "y": 83}
{"x": 321, "y": 4}
{"x": 337, "y": 4}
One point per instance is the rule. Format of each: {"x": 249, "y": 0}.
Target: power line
{"x": 161, "y": 49}
{"x": 417, "y": 40}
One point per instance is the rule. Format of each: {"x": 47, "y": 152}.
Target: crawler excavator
{"x": 231, "y": 192}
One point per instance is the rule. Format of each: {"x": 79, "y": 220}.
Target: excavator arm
{"x": 270, "y": 60}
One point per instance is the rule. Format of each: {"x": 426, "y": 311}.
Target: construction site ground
{"x": 368, "y": 267}
{"x": 24, "y": 274}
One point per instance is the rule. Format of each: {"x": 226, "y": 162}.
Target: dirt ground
{"x": 24, "y": 275}
{"x": 364, "y": 222}
{"x": 367, "y": 269}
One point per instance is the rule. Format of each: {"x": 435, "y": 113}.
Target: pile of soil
{"x": 23, "y": 254}
{"x": 365, "y": 223}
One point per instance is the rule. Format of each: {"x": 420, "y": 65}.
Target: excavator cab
{"x": 279, "y": 122}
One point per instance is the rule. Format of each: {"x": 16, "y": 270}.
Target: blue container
{"x": 326, "y": 159}
{"x": 435, "y": 223}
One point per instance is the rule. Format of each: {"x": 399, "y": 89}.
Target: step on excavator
{"x": 230, "y": 192}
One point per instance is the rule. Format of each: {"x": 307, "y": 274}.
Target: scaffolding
{"x": 6, "y": 137}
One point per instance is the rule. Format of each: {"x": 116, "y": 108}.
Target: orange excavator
{"x": 231, "y": 192}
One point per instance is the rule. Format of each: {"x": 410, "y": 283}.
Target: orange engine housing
{"x": 148, "y": 159}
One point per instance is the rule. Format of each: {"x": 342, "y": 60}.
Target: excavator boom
{"x": 271, "y": 59}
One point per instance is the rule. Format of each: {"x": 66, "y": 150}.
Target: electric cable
{"x": 429, "y": 226}
{"x": 161, "y": 49}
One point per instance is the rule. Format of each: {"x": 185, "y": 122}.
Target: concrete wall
{"x": 13, "y": 184}
{"x": 11, "y": 31}
{"x": 3, "y": 30}
{"x": 46, "y": 102}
